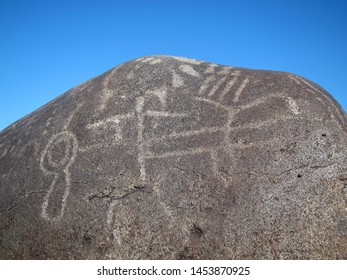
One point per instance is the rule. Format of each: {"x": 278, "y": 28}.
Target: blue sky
{"x": 47, "y": 47}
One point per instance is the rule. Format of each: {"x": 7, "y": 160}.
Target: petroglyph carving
{"x": 161, "y": 94}
{"x": 217, "y": 86}
{"x": 240, "y": 90}
{"x": 212, "y": 146}
{"x": 150, "y": 60}
{"x": 107, "y": 92}
{"x": 229, "y": 85}
{"x": 146, "y": 150}
{"x": 227, "y": 82}
{"x": 177, "y": 80}
{"x": 189, "y": 70}
{"x": 57, "y": 157}
{"x": 116, "y": 120}
{"x": 155, "y": 61}
{"x": 323, "y": 98}
{"x": 293, "y": 106}
{"x": 225, "y": 71}
{"x": 211, "y": 68}
{"x": 210, "y": 92}
{"x": 187, "y": 60}
{"x": 141, "y": 114}
{"x": 291, "y": 111}
{"x": 206, "y": 85}
{"x": 140, "y": 119}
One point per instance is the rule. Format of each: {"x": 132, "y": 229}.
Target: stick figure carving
{"x": 56, "y": 159}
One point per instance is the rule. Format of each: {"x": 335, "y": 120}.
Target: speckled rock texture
{"x": 173, "y": 158}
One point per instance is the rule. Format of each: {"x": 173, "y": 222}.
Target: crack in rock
{"x": 109, "y": 194}
{"x": 20, "y": 201}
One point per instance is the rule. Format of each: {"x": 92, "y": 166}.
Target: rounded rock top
{"x": 174, "y": 158}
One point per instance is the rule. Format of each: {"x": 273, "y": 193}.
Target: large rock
{"x": 167, "y": 157}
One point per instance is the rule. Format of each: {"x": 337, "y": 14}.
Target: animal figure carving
{"x": 168, "y": 157}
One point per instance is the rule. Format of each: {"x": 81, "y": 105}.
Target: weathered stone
{"x": 166, "y": 157}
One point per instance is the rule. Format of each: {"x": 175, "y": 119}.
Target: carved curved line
{"x": 64, "y": 160}
{"x": 327, "y": 99}
{"x": 63, "y": 171}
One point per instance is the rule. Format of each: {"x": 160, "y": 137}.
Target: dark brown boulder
{"x": 167, "y": 157}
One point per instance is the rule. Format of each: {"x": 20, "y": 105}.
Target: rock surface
{"x": 173, "y": 158}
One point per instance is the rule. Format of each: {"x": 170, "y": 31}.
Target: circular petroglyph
{"x": 169, "y": 157}
{"x": 57, "y": 156}
{"x": 59, "y": 151}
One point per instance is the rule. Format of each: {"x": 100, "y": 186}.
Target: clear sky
{"x": 47, "y": 47}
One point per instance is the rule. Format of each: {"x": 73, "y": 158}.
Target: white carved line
{"x": 59, "y": 170}
{"x": 309, "y": 85}
{"x": 187, "y": 60}
{"x": 205, "y": 85}
{"x": 107, "y": 93}
{"x": 161, "y": 94}
{"x": 214, "y": 161}
{"x": 216, "y": 104}
{"x": 64, "y": 160}
{"x": 261, "y": 100}
{"x": 216, "y": 86}
{"x": 116, "y": 119}
{"x": 211, "y": 68}
{"x": 225, "y": 71}
{"x": 240, "y": 90}
{"x": 155, "y": 61}
{"x": 294, "y": 79}
{"x": 189, "y": 70}
{"x": 117, "y": 236}
{"x": 110, "y": 214}
{"x": 314, "y": 90}
{"x": 229, "y": 86}
{"x": 164, "y": 114}
{"x": 72, "y": 115}
{"x": 293, "y": 106}
{"x": 148, "y": 59}
{"x": 227, "y": 143}
{"x": 177, "y": 80}
{"x": 187, "y": 133}
{"x": 140, "y": 140}
{"x": 331, "y": 113}
{"x": 269, "y": 122}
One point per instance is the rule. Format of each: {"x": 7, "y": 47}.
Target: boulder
{"x": 173, "y": 158}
